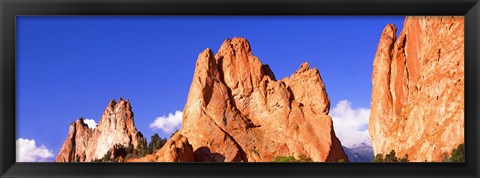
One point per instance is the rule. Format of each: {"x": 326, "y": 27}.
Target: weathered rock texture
{"x": 116, "y": 126}
{"x": 177, "y": 149}
{"x": 237, "y": 111}
{"x": 418, "y": 89}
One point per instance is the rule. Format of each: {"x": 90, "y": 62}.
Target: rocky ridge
{"x": 417, "y": 103}
{"x": 116, "y": 126}
{"x": 237, "y": 111}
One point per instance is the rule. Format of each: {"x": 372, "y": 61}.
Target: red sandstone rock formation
{"x": 177, "y": 149}
{"x": 237, "y": 111}
{"x": 418, "y": 89}
{"x": 116, "y": 126}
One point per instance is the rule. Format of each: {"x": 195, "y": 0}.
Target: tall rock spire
{"x": 418, "y": 89}
{"x": 116, "y": 126}
{"x": 237, "y": 111}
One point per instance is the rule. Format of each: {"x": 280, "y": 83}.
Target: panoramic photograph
{"x": 336, "y": 89}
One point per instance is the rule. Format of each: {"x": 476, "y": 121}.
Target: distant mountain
{"x": 359, "y": 153}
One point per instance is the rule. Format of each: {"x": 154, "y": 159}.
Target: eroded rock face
{"x": 237, "y": 111}
{"x": 418, "y": 89}
{"x": 76, "y": 145}
{"x": 116, "y": 126}
{"x": 177, "y": 149}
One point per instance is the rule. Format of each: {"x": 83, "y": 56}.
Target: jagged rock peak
{"x": 237, "y": 111}
{"x": 390, "y": 30}
{"x": 79, "y": 120}
{"x": 304, "y": 67}
{"x": 206, "y": 60}
{"x": 121, "y": 101}
{"x": 235, "y": 45}
{"x": 116, "y": 126}
{"x": 116, "y": 106}
{"x": 112, "y": 103}
{"x": 303, "y": 82}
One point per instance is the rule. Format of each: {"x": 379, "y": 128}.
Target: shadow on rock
{"x": 203, "y": 154}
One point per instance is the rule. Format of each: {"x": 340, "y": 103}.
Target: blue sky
{"x": 72, "y": 66}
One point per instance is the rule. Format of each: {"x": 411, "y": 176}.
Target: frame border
{"x": 470, "y": 9}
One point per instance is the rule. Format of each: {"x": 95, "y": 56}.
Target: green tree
{"x": 119, "y": 151}
{"x": 106, "y": 158}
{"x": 130, "y": 151}
{"x": 390, "y": 157}
{"x": 304, "y": 158}
{"x": 155, "y": 143}
{"x": 404, "y": 159}
{"x": 141, "y": 149}
{"x": 458, "y": 154}
{"x": 378, "y": 158}
{"x": 301, "y": 158}
{"x": 284, "y": 159}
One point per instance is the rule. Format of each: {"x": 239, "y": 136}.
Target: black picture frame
{"x": 9, "y": 9}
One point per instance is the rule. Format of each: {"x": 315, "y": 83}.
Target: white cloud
{"x": 91, "y": 123}
{"x": 351, "y": 125}
{"x": 168, "y": 124}
{"x": 27, "y": 151}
